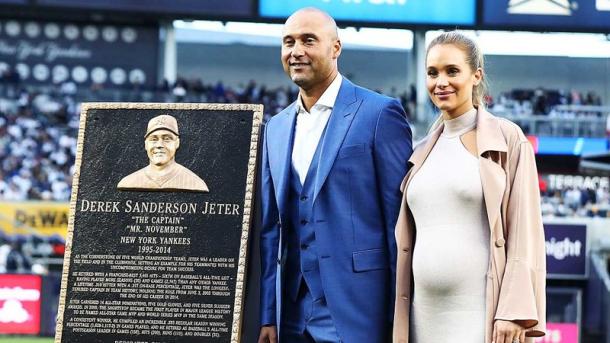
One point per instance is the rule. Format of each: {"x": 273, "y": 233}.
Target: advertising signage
{"x": 20, "y": 304}
{"x": 566, "y": 251}
{"x": 45, "y": 52}
{"x": 187, "y": 8}
{"x": 408, "y": 12}
{"x": 575, "y": 146}
{"x": 562, "y": 182}
{"x": 560, "y": 333}
{"x": 548, "y": 15}
{"x": 41, "y": 218}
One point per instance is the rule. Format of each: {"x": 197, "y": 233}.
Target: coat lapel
{"x": 490, "y": 139}
{"x": 493, "y": 177}
{"x": 419, "y": 156}
{"x": 493, "y": 181}
{"x": 339, "y": 122}
{"x": 280, "y": 152}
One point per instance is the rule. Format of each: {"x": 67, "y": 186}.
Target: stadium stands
{"x": 557, "y": 113}
{"x": 576, "y": 202}
{"x": 39, "y": 126}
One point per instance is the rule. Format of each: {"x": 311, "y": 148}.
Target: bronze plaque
{"x": 159, "y": 221}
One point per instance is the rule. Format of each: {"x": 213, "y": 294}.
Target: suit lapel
{"x": 280, "y": 152}
{"x": 339, "y": 122}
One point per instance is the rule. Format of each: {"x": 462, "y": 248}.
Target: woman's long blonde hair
{"x": 474, "y": 58}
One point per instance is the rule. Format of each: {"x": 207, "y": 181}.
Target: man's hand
{"x": 268, "y": 334}
{"x": 507, "y": 332}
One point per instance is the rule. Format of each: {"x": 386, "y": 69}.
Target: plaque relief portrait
{"x": 161, "y": 142}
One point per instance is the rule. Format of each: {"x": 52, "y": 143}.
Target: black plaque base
{"x": 163, "y": 263}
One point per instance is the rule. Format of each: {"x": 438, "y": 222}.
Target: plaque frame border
{"x": 257, "y": 119}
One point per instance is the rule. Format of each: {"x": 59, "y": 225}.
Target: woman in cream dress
{"x": 444, "y": 226}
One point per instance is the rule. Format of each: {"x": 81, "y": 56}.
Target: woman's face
{"x": 450, "y": 80}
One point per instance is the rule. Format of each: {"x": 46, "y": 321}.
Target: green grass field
{"x": 17, "y": 339}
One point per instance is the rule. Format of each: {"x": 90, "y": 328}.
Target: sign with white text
{"x": 20, "y": 304}
{"x": 548, "y": 15}
{"x": 566, "y": 251}
{"x": 56, "y": 52}
{"x": 561, "y": 182}
{"x": 560, "y": 333}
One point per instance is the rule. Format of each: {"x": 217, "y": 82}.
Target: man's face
{"x": 161, "y": 146}
{"x": 310, "y": 49}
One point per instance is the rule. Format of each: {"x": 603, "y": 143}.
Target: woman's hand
{"x": 508, "y": 332}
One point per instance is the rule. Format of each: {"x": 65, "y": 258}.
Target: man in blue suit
{"x": 331, "y": 171}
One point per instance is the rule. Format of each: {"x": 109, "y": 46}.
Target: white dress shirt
{"x": 310, "y": 126}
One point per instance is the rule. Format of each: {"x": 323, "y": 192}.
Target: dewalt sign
{"x": 34, "y": 217}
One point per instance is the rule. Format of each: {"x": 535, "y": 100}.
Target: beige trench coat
{"x": 517, "y": 274}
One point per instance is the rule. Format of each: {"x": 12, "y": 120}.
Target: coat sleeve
{"x": 522, "y": 296}
{"x": 392, "y": 149}
{"x": 269, "y": 241}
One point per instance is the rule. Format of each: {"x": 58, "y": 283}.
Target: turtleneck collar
{"x": 460, "y": 125}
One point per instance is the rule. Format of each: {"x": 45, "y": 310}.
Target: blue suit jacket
{"x": 354, "y": 210}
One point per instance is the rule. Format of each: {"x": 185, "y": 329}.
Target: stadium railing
{"x": 563, "y": 121}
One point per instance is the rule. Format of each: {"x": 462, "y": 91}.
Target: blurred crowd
{"x": 273, "y": 99}
{"x": 39, "y": 126}
{"x": 12, "y": 257}
{"x": 31, "y": 254}
{"x": 544, "y": 102}
{"x": 195, "y": 90}
{"x": 38, "y": 130}
{"x": 557, "y": 113}
{"x": 37, "y": 145}
{"x": 576, "y": 202}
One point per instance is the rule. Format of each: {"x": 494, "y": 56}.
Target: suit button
{"x": 304, "y": 197}
{"x": 500, "y": 242}
{"x": 303, "y": 221}
{"x": 279, "y": 261}
{"x": 304, "y": 246}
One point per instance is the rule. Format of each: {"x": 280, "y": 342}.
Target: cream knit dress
{"x": 451, "y": 253}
